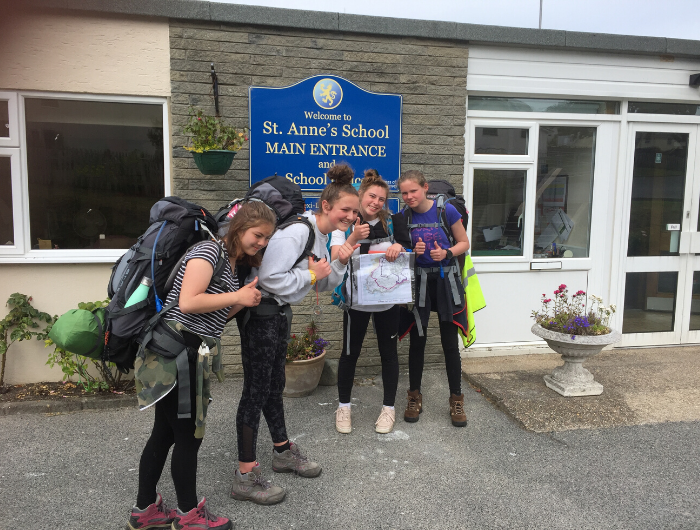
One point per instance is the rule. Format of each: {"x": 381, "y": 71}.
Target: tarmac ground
{"x": 79, "y": 470}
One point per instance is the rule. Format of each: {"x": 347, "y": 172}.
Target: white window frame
{"x": 22, "y": 252}
{"x": 18, "y": 248}
{"x": 598, "y": 200}
{"x": 13, "y": 118}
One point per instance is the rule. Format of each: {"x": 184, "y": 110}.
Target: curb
{"x": 66, "y": 406}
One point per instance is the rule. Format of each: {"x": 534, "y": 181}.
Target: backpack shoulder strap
{"x": 442, "y": 218}
{"x": 298, "y": 218}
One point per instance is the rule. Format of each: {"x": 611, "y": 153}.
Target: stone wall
{"x": 430, "y": 74}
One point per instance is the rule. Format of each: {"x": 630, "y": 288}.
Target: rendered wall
{"x": 94, "y": 53}
{"x": 430, "y": 74}
{"x": 54, "y": 289}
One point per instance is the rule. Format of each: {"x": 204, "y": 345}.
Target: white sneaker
{"x": 343, "y": 423}
{"x": 385, "y": 422}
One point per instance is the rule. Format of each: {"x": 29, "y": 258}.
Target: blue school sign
{"x": 301, "y": 131}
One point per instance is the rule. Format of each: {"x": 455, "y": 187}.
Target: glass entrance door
{"x": 662, "y": 267}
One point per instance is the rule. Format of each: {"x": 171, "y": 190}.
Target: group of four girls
{"x": 356, "y": 223}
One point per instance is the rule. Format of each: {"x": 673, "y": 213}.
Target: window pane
{"x": 649, "y": 107}
{"x": 4, "y": 119}
{"x": 650, "y": 302}
{"x": 695, "y": 303}
{"x": 658, "y": 185}
{"x": 94, "y": 169}
{"x": 7, "y": 228}
{"x": 499, "y": 206}
{"x": 500, "y": 141}
{"x": 564, "y": 191}
{"x": 569, "y": 106}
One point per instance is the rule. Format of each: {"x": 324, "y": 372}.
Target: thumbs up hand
{"x": 419, "y": 247}
{"x": 249, "y": 296}
{"x": 438, "y": 254}
{"x": 359, "y": 231}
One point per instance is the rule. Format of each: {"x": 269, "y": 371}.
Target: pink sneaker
{"x": 156, "y": 515}
{"x": 199, "y": 518}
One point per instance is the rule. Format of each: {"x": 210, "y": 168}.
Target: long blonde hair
{"x": 249, "y": 215}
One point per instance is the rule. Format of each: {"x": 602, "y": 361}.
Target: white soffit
{"x": 506, "y": 71}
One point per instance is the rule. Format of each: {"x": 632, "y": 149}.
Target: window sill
{"x": 63, "y": 256}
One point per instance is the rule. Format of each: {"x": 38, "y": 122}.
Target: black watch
{"x": 448, "y": 254}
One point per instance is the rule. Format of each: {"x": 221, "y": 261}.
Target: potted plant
{"x": 576, "y": 332}
{"x": 305, "y": 359}
{"x": 214, "y": 143}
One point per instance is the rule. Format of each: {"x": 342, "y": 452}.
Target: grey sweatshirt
{"x": 287, "y": 284}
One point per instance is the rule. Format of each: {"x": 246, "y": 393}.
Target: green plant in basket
{"x": 211, "y": 133}
{"x": 306, "y": 346}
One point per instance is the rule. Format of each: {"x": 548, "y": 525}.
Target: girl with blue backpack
{"x": 374, "y": 230}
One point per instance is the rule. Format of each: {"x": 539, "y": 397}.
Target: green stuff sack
{"x": 81, "y": 332}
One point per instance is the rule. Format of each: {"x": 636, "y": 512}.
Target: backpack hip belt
{"x": 450, "y": 271}
{"x": 269, "y": 307}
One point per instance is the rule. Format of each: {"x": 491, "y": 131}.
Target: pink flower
{"x": 556, "y": 292}
{"x": 579, "y": 293}
{"x": 547, "y": 300}
{"x": 562, "y": 287}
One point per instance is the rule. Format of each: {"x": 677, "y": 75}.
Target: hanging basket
{"x": 214, "y": 162}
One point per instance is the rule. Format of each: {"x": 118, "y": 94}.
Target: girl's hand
{"x": 438, "y": 253}
{"x": 249, "y": 296}
{"x": 360, "y": 231}
{"x": 322, "y": 268}
{"x": 419, "y": 247}
{"x": 393, "y": 252}
{"x": 345, "y": 251}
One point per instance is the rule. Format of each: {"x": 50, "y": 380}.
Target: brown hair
{"x": 249, "y": 215}
{"x": 414, "y": 175}
{"x": 372, "y": 178}
{"x": 340, "y": 176}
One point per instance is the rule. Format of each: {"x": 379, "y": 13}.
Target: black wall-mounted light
{"x": 215, "y": 84}
{"x": 694, "y": 80}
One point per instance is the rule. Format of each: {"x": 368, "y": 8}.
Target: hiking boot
{"x": 414, "y": 406}
{"x": 459, "y": 417}
{"x": 294, "y": 461}
{"x": 253, "y": 487}
{"x": 156, "y": 515}
{"x": 385, "y": 422}
{"x": 200, "y": 518}
{"x": 343, "y": 423}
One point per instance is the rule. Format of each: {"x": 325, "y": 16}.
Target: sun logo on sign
{"x": 328, "y": 94}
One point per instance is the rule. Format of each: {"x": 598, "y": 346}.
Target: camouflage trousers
{"x": 263, "y": 354}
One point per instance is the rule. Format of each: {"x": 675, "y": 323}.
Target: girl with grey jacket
{"x": 285, "y": 281}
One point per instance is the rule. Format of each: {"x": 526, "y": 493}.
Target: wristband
{"x": 313, "y": 277}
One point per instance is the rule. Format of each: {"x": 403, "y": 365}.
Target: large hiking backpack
{"x": 176, "y": 225}
{"x": 283, "y": 197}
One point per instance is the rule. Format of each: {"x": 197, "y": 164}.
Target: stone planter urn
{"x": 572, "y": 379}
{"x": 214, "y": 162}
{"x": 302, "y": 377}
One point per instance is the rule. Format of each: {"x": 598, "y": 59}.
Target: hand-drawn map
{"x": 382, "y": 282}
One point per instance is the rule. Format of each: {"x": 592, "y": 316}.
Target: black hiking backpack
{"x": 176, "y": 225}
{"x": 283, "y": 197}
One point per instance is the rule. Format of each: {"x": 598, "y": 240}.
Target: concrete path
{"x": 78, "y": 471}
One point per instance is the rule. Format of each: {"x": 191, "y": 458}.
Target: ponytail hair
{"x": 341, "y": 177}
{"x": 372, "y": 178}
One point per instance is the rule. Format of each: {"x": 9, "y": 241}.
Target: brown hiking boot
{"x": 459, "y": 417}
{"x": 414, "y": 406}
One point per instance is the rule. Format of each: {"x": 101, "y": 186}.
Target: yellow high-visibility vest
{"x": 473, "y": 297}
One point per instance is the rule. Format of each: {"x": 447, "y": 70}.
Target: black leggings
{"x": 169, "y": 430}
{"x": 450, "y": 346}
{"x": 263, "y": 354}
{"x": 386, "y": 324}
